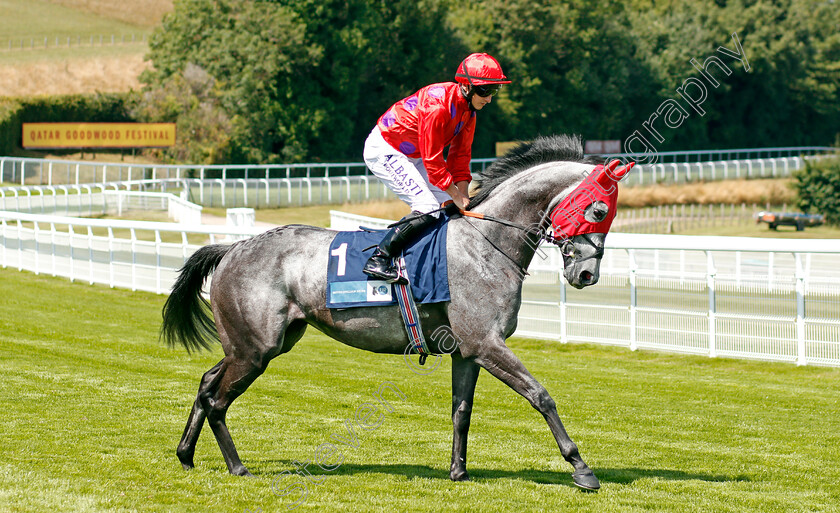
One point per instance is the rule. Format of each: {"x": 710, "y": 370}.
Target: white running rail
{"x": 767, "y": 299}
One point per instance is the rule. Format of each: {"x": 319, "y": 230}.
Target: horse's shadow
{"x": 606, "y": 475}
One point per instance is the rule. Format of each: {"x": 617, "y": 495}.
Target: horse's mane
{"x": 555, "y": 148}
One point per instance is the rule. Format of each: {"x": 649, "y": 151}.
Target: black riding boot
{"x": 381, "y": 263}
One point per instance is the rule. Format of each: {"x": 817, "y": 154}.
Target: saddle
{"x": 422, "y": 263}
{"x": 425, "y": 269}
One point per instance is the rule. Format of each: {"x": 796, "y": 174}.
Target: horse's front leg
{"x": 500, "y": 361}
{"x": 464, "y": 376}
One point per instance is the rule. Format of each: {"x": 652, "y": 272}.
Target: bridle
{"x": 567, "y": 248}
{"x": 566, "y": 215}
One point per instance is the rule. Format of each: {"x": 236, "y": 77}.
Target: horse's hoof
{"x": 586, "y": 480}
{"x": 186, "y": 460}
{"x": 242, "y": 472}
{"x": 461, "y": 475}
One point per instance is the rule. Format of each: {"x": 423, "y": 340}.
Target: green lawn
{"x": 94, "y": 407}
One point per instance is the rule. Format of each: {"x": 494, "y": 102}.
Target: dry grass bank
{"x": 774, "y": 191}
{"x": 114, "y": 73}
{"x": 147, "y": 13}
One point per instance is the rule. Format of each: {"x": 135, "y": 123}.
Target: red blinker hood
{"x": 600, "y": 185}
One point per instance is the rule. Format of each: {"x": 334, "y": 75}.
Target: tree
{"x": 306, "y": 79}
{"x": 818, "y": 186}
{"x": 258, "y": 56}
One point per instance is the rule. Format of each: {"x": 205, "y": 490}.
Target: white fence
{"x": 335, "y": 188}
{"x": 768, "y": 299}
{"x": 97, "y": 199}
{"x": 719, "y": 296}
{"x": 178, "y": 209}
{"x": 230, "y": 193}
{"x": 129, "y": 254}
{"x": 753, "y": 298}
{"x": 679, "y": 172}
{"x": 46, "y": 42}
{"x": 670, "y": 167}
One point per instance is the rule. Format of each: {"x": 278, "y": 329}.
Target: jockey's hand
{"x": 460, "y": 199}
{"x": 451, "y": 209}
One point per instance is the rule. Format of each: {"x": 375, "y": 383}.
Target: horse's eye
{"x": 596, "y": 212}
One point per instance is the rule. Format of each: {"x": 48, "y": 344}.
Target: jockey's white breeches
{"x": 405, "y": 176}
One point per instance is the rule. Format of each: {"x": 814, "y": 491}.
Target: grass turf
{"x": 37, "y": 19}
{"x": 94, "y": 407}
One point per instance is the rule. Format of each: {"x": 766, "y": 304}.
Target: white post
{"x": 770, "y": 258}
{"x": 133, "y": 260}
{"x": 710, "y": 284}
{"x": 90, "y": 254}
{"x": 111, "y": 257}
{"x": 632, "y": 272}
{"x": 5, "y": 262}
{"x": 52, "y": 248}
{"x": 37, "y": 249}
{"x": 800, "y": 311}
{"x": 70, "y": 240}
{"x": 158, "y": 285}
{"x": 564, "y": 337}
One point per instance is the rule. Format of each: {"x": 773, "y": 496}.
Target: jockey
{"x": 405, "y": 151}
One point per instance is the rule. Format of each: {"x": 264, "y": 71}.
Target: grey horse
{"x": 266, "y": 290}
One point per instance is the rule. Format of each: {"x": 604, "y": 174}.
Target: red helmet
{"x": 480, "y": 69}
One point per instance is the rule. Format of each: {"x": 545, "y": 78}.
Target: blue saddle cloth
{"x": 425, "y": 257}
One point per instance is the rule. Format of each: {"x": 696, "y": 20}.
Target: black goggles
{"x": 486, "y": 89}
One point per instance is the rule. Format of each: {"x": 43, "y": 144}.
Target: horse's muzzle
{"x": 587, "y": 278}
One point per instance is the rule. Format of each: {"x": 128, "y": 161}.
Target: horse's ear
{"x": 623, "y": 170}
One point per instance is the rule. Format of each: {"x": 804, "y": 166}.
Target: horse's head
{"x": 582, "y": 219}
{"x": 582, "y": 259}
{"x": 574, "y": 196}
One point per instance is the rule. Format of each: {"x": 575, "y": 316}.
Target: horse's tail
{"x": 186, "y": 315}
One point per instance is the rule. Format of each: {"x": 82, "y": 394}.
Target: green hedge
{"x": 10, "y": 130}
{"x": 107, "y": 107}
{"x": 818, "y": 185}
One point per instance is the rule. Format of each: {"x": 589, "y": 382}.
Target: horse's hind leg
{"x": 500, "y": 361}
{"x": 247, "y": 358}
{"x": 237, "y": 375}
{"x": 186, "y": 448}
{"x": 464, "y": 377}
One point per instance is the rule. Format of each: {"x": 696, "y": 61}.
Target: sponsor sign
{"x": 503, "y": 147}
{"x": 597, "y": 147}
{"x": 360, "y": 291}
{"x": 97, "y": 135}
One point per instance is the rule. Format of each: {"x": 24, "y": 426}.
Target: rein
{"x": 567, "y": 249}
{"x": 540, "y": 233}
